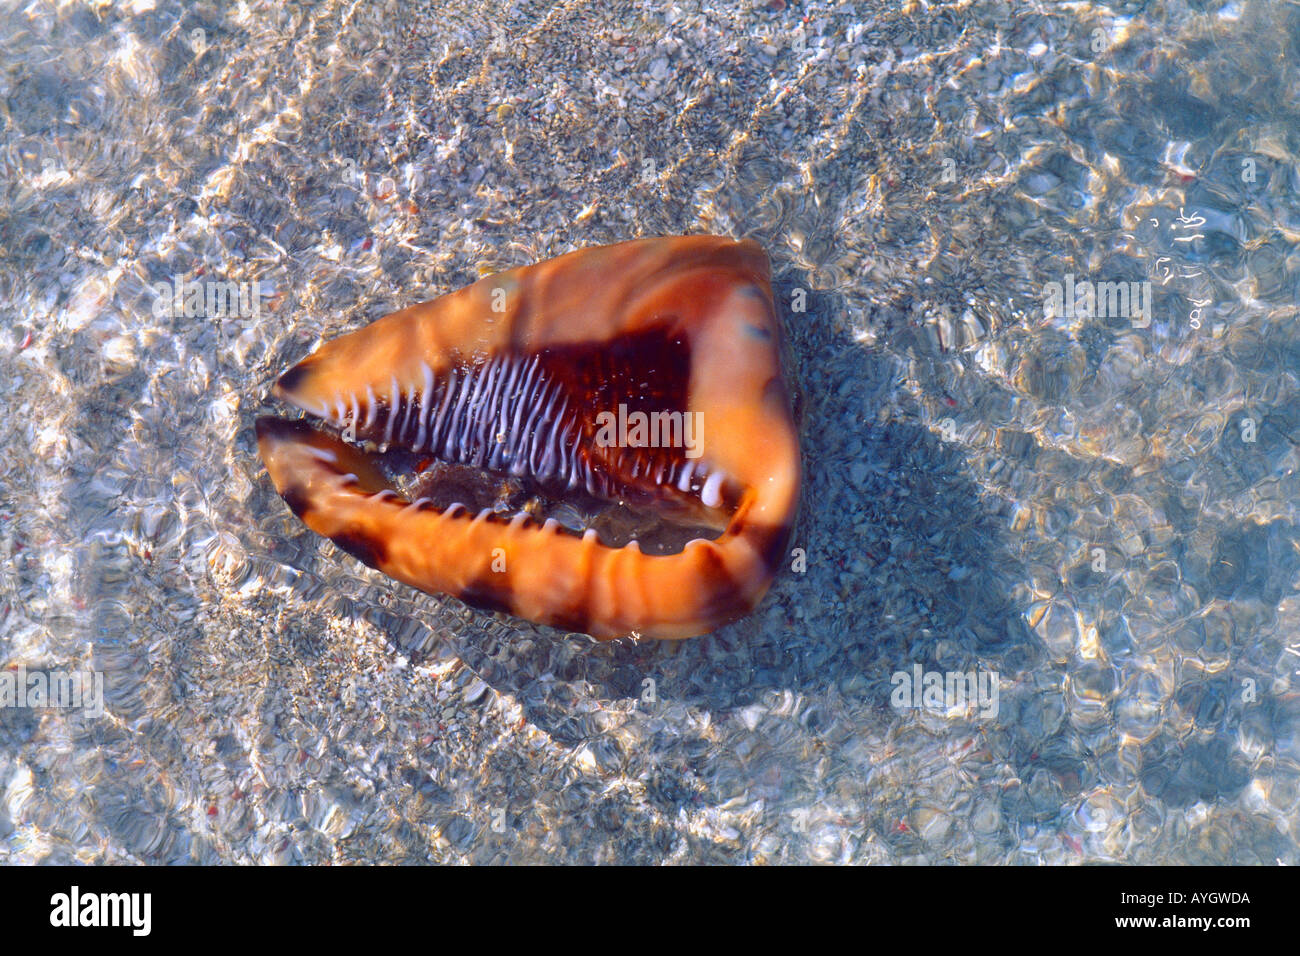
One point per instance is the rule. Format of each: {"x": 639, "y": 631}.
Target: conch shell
{"x": 644, "y": 374}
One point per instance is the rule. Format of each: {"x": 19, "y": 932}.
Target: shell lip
{"x": 661, "y": 520}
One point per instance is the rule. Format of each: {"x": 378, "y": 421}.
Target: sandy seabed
{"x": 1099, "y": 509}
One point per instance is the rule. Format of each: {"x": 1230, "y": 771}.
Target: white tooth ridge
{"x": 424, "y": 404}
{"x": 392, "y": 411}
{"x": 372, "y": 405}
{"x": 684, "y": 482}
{"x": 710, "y": 493}
{"x": 404, "y": 425}
{"x": 323, "y": 454}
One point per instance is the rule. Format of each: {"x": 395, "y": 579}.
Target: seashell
{"x": 644, "y": 375}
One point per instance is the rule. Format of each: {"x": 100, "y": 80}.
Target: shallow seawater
{"x": 1089, "y": 506}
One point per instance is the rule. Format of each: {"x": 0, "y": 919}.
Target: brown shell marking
{"x": 508, "y": 375}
